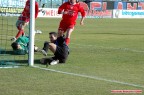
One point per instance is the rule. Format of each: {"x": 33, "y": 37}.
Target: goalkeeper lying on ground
{"x": 20, "y": 46}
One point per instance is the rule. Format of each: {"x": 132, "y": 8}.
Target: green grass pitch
{"x": 105, "y": 55}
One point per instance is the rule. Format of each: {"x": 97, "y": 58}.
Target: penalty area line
{"x": 7, "y": 67}
{"x": 91, "y": 77}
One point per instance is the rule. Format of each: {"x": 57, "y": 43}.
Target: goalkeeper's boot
{"x": 36, "y": 49}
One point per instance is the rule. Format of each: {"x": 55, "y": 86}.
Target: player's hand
{"x": 65, "y": 12}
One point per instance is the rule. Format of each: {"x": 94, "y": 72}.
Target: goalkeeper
{"x": 20, "y": 46}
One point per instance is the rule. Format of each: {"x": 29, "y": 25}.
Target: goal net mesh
{"x": 9, "y": 12}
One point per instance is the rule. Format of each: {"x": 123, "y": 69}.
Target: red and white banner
{"x": 49, "y": 12}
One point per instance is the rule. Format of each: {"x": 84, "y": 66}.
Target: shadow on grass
{"x": 9, "y": 59}
{"x": 7, "y": 52}
{"x": 13, "y": 62}
{"x": 4, "y": 63}
{"x": 37, "y": 61}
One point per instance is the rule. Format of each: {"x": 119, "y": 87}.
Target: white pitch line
{"x": 9, "y": 67}
{"x": 91, "y": 77}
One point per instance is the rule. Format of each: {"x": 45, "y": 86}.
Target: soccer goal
{"x": 9, "y": 12}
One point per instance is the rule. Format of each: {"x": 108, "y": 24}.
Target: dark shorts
{"x": 61, "y": 54}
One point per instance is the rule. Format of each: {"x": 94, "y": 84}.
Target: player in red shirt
{"x": 69, "y": 11}
{"x": 24, "y": 19}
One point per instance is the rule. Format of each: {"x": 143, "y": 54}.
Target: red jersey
{"x": 26, "y": 12}
{"x": 72, "y": 12}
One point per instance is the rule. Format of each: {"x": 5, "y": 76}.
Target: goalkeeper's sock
{"x": 67, "y": 40}
{"x": 21, "y": 32}
{"x": 46, "y": 46}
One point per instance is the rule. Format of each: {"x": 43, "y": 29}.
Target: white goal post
{"x": 32, "y": 33}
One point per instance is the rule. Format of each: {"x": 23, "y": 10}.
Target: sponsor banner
{"x": 43, "y": 12}
{"x": 52, "y": 12}
{"x": 101, "y": 5}
{"x": 120, "y": 5}
{"x": 96, "y": 6}
{"x": 128, "y": 13}
{"x": 129, "y": 5}
{"x": 9, "y": 14}
{"x": 99, "y": 14}
{"x": 10, "y": 11}
{"x": 49, "y": 12}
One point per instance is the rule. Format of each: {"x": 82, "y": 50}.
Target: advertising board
{"x": 128, "y": 13}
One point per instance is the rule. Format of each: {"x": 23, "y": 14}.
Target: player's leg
{"x": 52, "y": 47}
{"x": 20, "y": 26}
{"x": 65, "y": 27}
{"x": 68, "y": 34}
{"x": 62, "y": 28}
{"x": 47, "y": 46}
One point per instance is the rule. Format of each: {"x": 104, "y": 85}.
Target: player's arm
{"x": 82, "y": 20}
{"x": 83, "y": 14}
{"x": 61, "y": 9}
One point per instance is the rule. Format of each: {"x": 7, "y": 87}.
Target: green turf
{"x": 109, "y": 49}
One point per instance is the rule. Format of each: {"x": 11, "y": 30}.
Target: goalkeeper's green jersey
{"x": 23, "y": 42}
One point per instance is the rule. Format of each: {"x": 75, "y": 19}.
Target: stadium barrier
{"x": 95, "y": 9}
{"x": 52, "y": 13}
